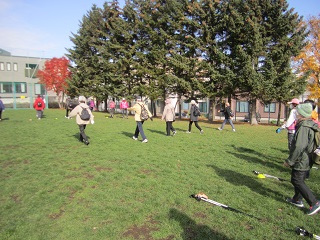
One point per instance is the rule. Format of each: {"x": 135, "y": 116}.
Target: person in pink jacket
{"x": 124, "y": 107}
{"x": 76, "y": 112}
{"x": 112, "y": 107}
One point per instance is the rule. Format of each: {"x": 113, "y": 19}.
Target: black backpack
{"x": 196, "y": 111}
{"x": 85, "y": 114}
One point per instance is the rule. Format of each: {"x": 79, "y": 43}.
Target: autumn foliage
{"x": 54, "y": 74}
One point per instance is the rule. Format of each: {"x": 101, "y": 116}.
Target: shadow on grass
{"x": 128, "y": 134}
{"x": 239, "y": 179}
{"x": 194, "y": 231}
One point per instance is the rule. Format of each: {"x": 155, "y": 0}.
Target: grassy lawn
{"x": 54, "y": 187}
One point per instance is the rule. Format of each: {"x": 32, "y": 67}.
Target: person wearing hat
{"x": 39, "y": 105}
{"x": 290, "y": 124}
{"x": 194, "y": 117}
{"x": 299, "y": 158}
{"x": 124, "y": 107}
{"x": 82, "y": 123}
{"x": 137, "y": 108}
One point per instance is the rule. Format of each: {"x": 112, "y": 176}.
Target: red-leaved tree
{"x": 54, "y": 75}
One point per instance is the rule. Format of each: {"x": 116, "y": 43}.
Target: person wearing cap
{"x": 124, "y": 107}
{"x": 82, "y": 123}
{"x": 193, "y": 118}
{"x": 169, "y": 116}
{"x": 137, "y": 117}
{"x": 39, "y": 105}
{"x": 290, "y": 124}
{"x": 299, "y": 158}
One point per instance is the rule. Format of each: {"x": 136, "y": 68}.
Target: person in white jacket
{"x": 82, "y": 123}
{"x": 169, "y": 115}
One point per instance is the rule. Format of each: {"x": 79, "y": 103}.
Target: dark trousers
{"x": 169, "y": 127}
{"x": 290, "y": 138}
{"x": 67, "y": 112}
{"x": 195, "y": 123}
{"x": 0, "y": 114}
{"x": 301, "y": 190}
{"x": 83, "y": 136}
{"x": 139, "y": 129}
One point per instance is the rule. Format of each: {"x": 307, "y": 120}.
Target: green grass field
{"x": 54, "y": 187}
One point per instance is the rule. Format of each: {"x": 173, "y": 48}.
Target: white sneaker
{"x": 201, "y": 132}
{"x": 233, "y": 130}
{"x": 188, "y": 132}
{"x": 134, "y": 138}
{"x": 174, "y": 133}
{"x": 145, "y": 141}
{"x": 219, "y": 129}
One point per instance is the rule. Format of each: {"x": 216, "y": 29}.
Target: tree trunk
{"x": 279, "y": 114}
{"x": 253, "y": 110}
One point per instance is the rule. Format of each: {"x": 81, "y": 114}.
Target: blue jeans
{"x": 301, "y": 190}
{"x": 139, "y": 129}
{"x": 229, "y": 121}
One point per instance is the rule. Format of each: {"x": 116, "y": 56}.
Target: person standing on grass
{"x": 137, "y": 117}
{"x": 300, "y": 158}
{"x": 82, "y": 123}
{"x": 124, "y": 107}
{"x": 39, "y": 105}
{"x": 194, "y": 117}
{"x": 169, "y": 116}
{"x": 91, "y": 104}
{"x": 112, "y": 107}
{"x": 2, "y": 108}
{"x": 290, "y": 124}
{"x": 228, "y": 115}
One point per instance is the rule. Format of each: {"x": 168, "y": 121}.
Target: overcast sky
{"x": 41, "y": 28}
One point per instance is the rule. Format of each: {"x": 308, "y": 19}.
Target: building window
{"x": 15, "y": 67}
{"x": 20, "y": 87}
{"x": 270, "y": 107}
{"x": 5, "y": 87}
{"x": 2, "y": 66}
{"x": 39, "y": 89}
{"x": 8, "y": 66}
{"x": 31, "y": 70}
{"x": 242, "y": 107}
{"x": 203, "y": 107}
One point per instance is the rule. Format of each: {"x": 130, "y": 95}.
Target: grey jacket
{"x": 192, "y": 117}
{"x": 302, "y": 145}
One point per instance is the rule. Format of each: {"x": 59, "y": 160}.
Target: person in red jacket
{"x": 39, "y": 105}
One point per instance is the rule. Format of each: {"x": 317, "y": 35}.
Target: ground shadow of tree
{"x": 239, "y": 179}
{"x": 192, "y": 230}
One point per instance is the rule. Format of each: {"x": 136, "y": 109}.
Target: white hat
{"x": 82, "y": 99}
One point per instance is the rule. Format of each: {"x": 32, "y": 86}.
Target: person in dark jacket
{"x": 227, "y": 117}
{"x": 300, "y": 158}
{"x": 39, "y": 105}
{"x": 193, "y": 118}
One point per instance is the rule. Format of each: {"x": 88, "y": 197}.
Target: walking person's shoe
{"x": 174, "y": 133}
{"x": 86, "y": 142}
{"x": 233, "y": 130}
{"x": 134, "y": 138}
{"x": 296, "y": 203}
{"x": 201, "y": 132}
{"x": 188, "y": 132}
{"x": 145, "y": 141}
{"x": 314, "y": 209}
{"x": 220, "y": 129}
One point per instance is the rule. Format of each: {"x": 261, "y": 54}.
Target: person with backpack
{"x": 83, "y": 116}
{"x": 39, "y": 106}
{"x": 2, "y": 108}
{"x": 300, "y": 158}
{"x": 169, "y": 115}
{"x": 142, "y": 114}
{"x": 228, "y": 115}
{"x": 194, "y": 115}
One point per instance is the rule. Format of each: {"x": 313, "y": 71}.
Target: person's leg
{"x": 168, "y": 127}
{"x": 172, "y": 128}
{"x": 231, "y": 123}
{"x": 190, "y": 124}
{"x": 141, "y": 130}
{"x": 301, "y": 189}
{"x": 223, "y": 123}
{"x": 38, "y": 114}
{"x": 126, "y": 111}
{"x": 136, "y": 133}
{"x": 197, "y": 125}
{"x": 0, "y": 114}
{"x": 290, "y": 138}
{"x": 83, "y": 136}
